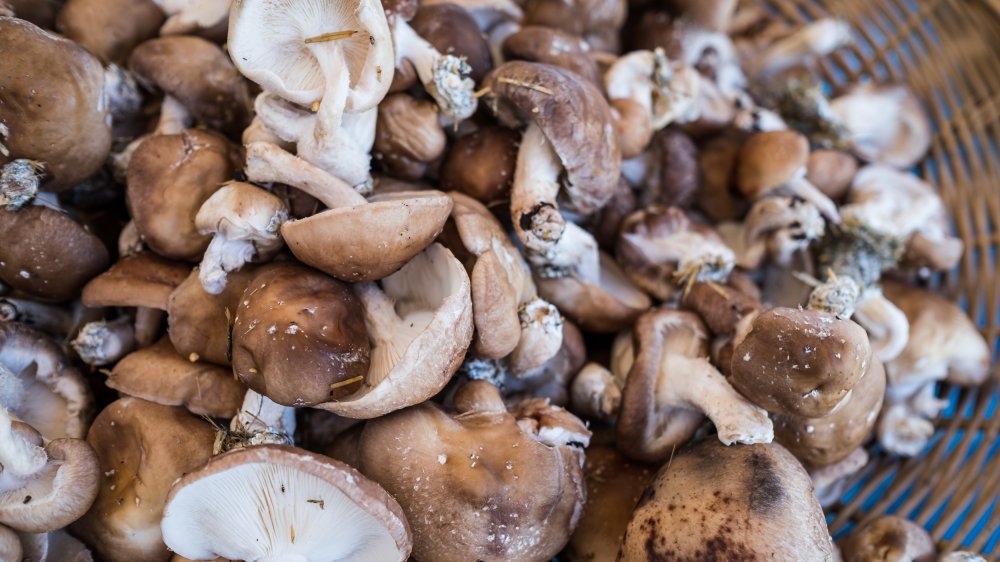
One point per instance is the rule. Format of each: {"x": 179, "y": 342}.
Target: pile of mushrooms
{"x": 458, "y": 280}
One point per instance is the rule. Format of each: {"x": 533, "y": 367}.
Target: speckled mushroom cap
{"x": 712, "y": 502}
{"x": 798, "y": 362}
{"x": 480, "y": 484}
{"x": 574, "y": 117}
{"x": 112, "y": 29}
{"x": 768, "y": 160}
{"x": 888, "y": 539}
{"x": 52, "y": 105}
{"x": 46, "y": 254}
{"x": 199, "y": 322}
{"x": 548, "y": 45}
{"x": 144, "y": 279}
{"x": 197, "y": 73}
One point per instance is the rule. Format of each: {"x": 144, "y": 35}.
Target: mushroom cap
{"x": 402, "y": 9}
{"x": 597, "y": 21}
{"x": 41, "y": 14}
{"x": 720, "y": 306}
{"x": 481, "y": 164}
{"x": 159, "y": 374}
{"x": 294, "y": 505}
{"x": 46, "y": 254}
{"x": 109, "y": 29}
{"x": 574, "y": 117}
{"x": 142, "y": 448}
{"x": 799, "y": 362}
{"x": 888, "y": 539}
{"x": 369, "y": 242}
{"x": 52, "y": 104}
{"x": 749, "y": 502}
{"x": 144, "y": 280}
{"x": 678, "y": 170}
{"x": 296, "y": 333}
{"x": 769, "y": 159}
{"x": 197, "y": 73}
{"x": 831, "y": 171}
{"x": 409, "y": 127}
{"x": 199, "y": 321}
{"x": 432, "y": 298}
{"x": 450, "y": 29}
{"x": 169, "y": 177}
{"x": 886, "y": 123}
{"x": 823, "y": 441}
{"x": 496, "y": 489}
{"x": 548, "y": 45}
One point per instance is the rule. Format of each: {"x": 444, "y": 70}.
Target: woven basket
{"x": 948, "y": 51}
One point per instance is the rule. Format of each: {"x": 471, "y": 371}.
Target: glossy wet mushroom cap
{"x": 112, "y": 29}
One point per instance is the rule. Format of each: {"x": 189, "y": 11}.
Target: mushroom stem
{"x": 19, "y": 181}
{"x": 695, "y": 383}
{"x": 129, "y": 240}
{"x": 575, "y": 253}
{"x": 100, "y": 343}
{"x": 541, "y": 336}
{"x": 267, "y": 163}
{"x": 497, "y": 36}
{"x": 445, "y": 77}
{"x": 595, "y": 393}
{"x": 174, "y": 119}
{"x": 148, "y": 322}
{"x": 887, "y": 325}
{"x": 56, "y": 320}
{"x": 259, "y": 422}
{"x": 221, "y": 257}
{"x": 802, "y": 188}
{"x": 533, "y": 206}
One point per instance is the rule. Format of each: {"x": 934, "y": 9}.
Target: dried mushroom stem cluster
{"x": 469, "y": 280}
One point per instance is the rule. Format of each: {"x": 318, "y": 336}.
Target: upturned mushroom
{"x": 777, "y": 229}
{"x": 890, "y": 539}
{"x": 482, "y": 483}
{"x": 671, "y": 387}
{"x": 800, "y": 47}
{"x": 885, "y": 123}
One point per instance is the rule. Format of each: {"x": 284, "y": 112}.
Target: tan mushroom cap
{"x": 369, "y": 242}
{"x": 752, "y": 502}
{"x": 109, "y": 29}
{"x": 769, "y": 159}
{"x": 169, "y": 177}
{"x": 159, "y": 374}
{"x": 52, "y": 104}
{"x": 144, "y": 280}
{"x": 199, "y": 322}
{"x": 476, "y": 485}
{"x": 142, "y": 448}
{"x": 294, "y": 505}
{"x": 886, "y": 123}
{"x": 481, "y": 164}
{"x": 798, "y": 362}
{"x": 46, "y": 254}
{"x": 831, "y": 171}
{"x": 888, "y": 539}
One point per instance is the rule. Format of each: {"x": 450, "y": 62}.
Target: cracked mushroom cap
{"x": 168, "y": 179}
{"x": 109, "y": 29}
{"x": 888, "y": 539}
{"x": 548, "y": 45}
{"x": 46, "y": 254}
{"x": 159, "y": 374}
{"x": 886, "y": 123}
{"x": 798, "y": 362}
{"x": 451, "y": 29}
{"x": 52, "y": 106}
{"x": 299, "y": 336}
{"x": 483, "y": 483}
{"x": 199, "y": 322}
{"x": 769, "y": 159}
{"x": 574, "y": 117}
{"x": 142, "y": 448}
{"x": 144, "y": 280}
{"x": 713, "y": 502}
{"x": 290, "y": 505}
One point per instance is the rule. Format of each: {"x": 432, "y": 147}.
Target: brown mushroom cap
{"x": 199, "y": 322}
{"x": 769, "y": 159}
{"x": 169, "y": 177}
{"x": 476, "y": 485}
{"x": 142, "y": 448}
{"x": 47, "y": 254}
{"x": 718, "y": 197}
{"x": 52, "y": 104}
{"x": 712, "y": 502}
{"x": 109, "y": 29}
{"x": 575, "y": 118}
{"x": 799, "y": 362}
{"x": 678, "y": 170}
{"x": 831, "y": 171}
{"x": 548, "y": 45}
{"x": 200, "y": 75}
{"x": 597, "y": 21}
{"x": 450, "y": 29}
{"x": 888, "y": 539}
{"x": 481, "y": 164}
{"x": 408, "y": 127}
{"x": 720, "y": 306}
{"x": 141, "y": 280}
{"x": 41, "y": 14}
{"x": 158, "y": 374}
{"x": 298, "y": 333}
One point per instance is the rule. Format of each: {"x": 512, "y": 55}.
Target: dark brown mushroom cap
{"x": 548, "y": 45}
{"x": 296, "y": 333}
{"x": 718, "y": 197}
{"x": 713, "y": 15}
{"x": 169, "y": 177}
{"x": 720, "y": 306}
{"x": 109, "y": 28}
{"x": 450, "y": 29}
{"x": 144, "y": 279}
{"x": 41, "y": 14}
{"x": 575, "y": 118}
{"x": 799, "y": 362}
{"x": 481, "y": 164}
{"x": 52, "y": 104}
{"x": 598, "y": 21}
{"x": 769, "y": 159}
{"x": 606, "y": 223}
{"x": 403, "y": 9}
{"x": 744, "y": 502}
{"x": 888, "y": 539}
{"x": 199, "y": 74}
{"x": 822, "y": 441}
{"x": 158, "y": 374}
{"x": 678, "y": 170}
{"x": 199, "y": 322}
{"x": 831, "y": 171}
{"x": 46, "y": 254}
{"x": 408, "y": 128}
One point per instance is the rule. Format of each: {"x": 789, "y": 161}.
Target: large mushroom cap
{"x": 451, "y": 29}
{"x": 141, "y": 280}
{"x": 47, "y": 254}
{"x": 112, "y": 29}
{"x": 769, "y": 159}
{"x": 575, "y": 119}
{"x": 52, "y": 104}
{"x": 713, "y": 502}
{"x": 270, "y": 503}
{"x": 885, "y": 122}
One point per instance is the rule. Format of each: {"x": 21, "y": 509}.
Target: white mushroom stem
{"x": 386, "y": 329}
{"x": 887, "y": 325}
{"x": 101, "y": 343}
{"x": 576, "y": 253}
{"x": 541, "y": 336}
{"x": 260, "y": 415}
{"x": 20, "y": 458}
{"x": 533, "y": 206}
{"x": 804, "y": 189}
{"x": 595, "y": 393}
{"x": 668, "y": 92}
{"x": 267, "y": 163}
{"x": 830, "y": 480}
{"x": 693, "y": 383}
{"x": 445, "y": 77}
{"x": 805, "y": 45}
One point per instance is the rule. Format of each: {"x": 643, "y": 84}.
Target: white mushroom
{"x": 667, "y": 91}
{"x": 887, "y": 326}
{"x": 260, "y": 421}
{"x": 803, "y": 46}
{"x": 596, "y": 393}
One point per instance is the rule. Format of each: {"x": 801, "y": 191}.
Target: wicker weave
{"x": 948, "y": 51}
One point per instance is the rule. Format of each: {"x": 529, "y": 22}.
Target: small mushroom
{"x": 722, "y": 307}
{"x": 671, "y": 387}
{"x": 801, "y": 47}
{"x": 778, "y": 515}
{"x": 886, "y": 123}
{"x": 103, "y": 342}
{"x": 551, "y": 46}
{"x": 888, "y": 539}
{"x": 778, "y": 228}
{"x": 109, "y": 30}
{"x": 481, "y": 164}
{"x": 718, "y": 196}
{"x": 596, "y": 393}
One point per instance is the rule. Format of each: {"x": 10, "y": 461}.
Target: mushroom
{"x": 199, "y": 322}
{"x": 961, "y": 556}
{"x": 10, "y": 545}
{"x": 886, "y": 123}
{"x": 109, "y": 30}
{"x": 674, "y": 177}
{"x": 757, "y": 503}
{"x": 778, "y": 228}
{"x": 714, "y": 15}
{"x": 103, "y": 342}
{"x": 142, "y": 448}
{"x": 66, "y": 130}
{"x": 598, "y": 22}
{"x": 53, "y": 319}
{"x": 451, "y": 29}
{"x": 722, "y": 307}
{"x": 801, "y": 47}
{"x": 481, "y": 164}
{"x": 718, "y": 196}
{"x": 831, "y": 480}
{"x": 482, "y": 483}
{"x": 54, "y": 546}
{"x": 407, "y": 133}
{"x": 671, "y": 386}
{"x": 831, "y": 171}
{"x": 551, "y": 46}
{"x": 196, "y": 17}
{"x": 888, "y": 538}
{"x": 596, "y": 393}
{"x": 244, "y": 221}
{"x": 260, "y": 421}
